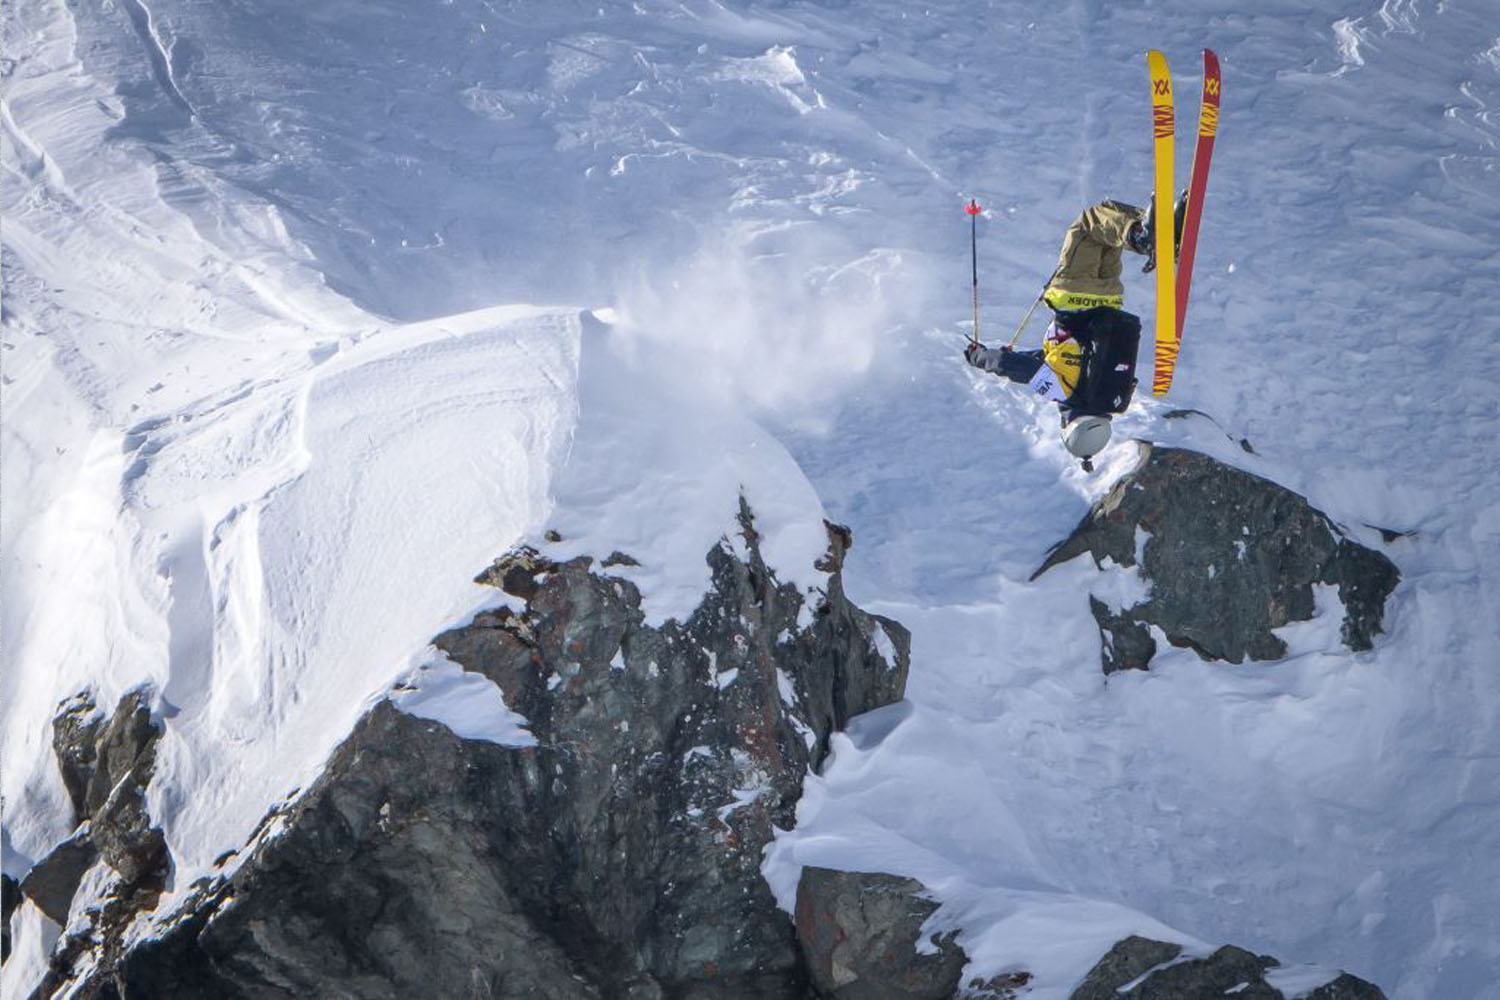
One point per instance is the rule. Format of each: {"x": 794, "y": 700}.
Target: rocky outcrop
{"x": 860, "y": 932}
{"x": 390, "y": 880}
{"x": 75, "y": 743}
{"x": 1153, "y": 971}
{"x": 106, "y": 765}
{"x": 10, "y": 898}
{"x": 1229, "y": 557}
{"x": 618, "y": 857}
{"x": 52, "y": 882}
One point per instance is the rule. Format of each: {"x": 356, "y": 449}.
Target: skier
{"x": 1087, "y": 360}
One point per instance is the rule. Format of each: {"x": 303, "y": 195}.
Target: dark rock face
{"x": 1148, "y": 967}
{"x": 1347, "y": 987}
{"x": 860, "y": 931}
{"x": 1229, "y": 556}
{"x": 1128, "y": 960}
{"x": 52, "y": 881}
{"x": 1127, "y": 644}
{"x": 619, "y": 857}
{"x": 75, "y": 739}
{"x": 10, "y": 898}
{"x": 106, "y": 765}
{"x": 389, "y": 882}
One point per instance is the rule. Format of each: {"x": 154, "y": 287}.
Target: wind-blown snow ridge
{"x": 235, "y": 477}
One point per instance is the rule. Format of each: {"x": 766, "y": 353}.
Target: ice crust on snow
{"x": 274, "y": 391}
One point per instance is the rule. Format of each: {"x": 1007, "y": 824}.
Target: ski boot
{"x": 1142, "y": 235}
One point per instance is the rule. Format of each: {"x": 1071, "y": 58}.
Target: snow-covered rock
{"x": 1138, "y": 968}
{"x": 1228, "y": 558}
{"x": 616, "y": 853}
{"x": 860, "y": 933}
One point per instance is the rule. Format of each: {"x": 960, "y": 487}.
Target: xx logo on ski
{"x": 1163, "y": 88}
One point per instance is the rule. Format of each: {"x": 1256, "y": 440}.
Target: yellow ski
{"x": 1164, "y": 131}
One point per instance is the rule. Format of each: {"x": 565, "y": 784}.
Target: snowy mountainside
{"x": 302, "y": 327}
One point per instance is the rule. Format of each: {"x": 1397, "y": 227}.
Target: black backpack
{"x": 1110, "y": 339}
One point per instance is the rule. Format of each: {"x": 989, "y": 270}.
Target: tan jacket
{"x": 1088, "y": 268}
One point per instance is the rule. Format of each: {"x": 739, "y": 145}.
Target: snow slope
{"x": 311, "y": 309}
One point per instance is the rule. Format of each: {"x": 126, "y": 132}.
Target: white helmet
{"x": 1086, "y": 436}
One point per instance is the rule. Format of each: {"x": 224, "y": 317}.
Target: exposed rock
{"x": 840, "y": 541}
{"x": 388, "y": 882}
{"x": 127, "y": 841}
{"x": 10, "y": 898}
{"x": 1153, "y": 972}
{"x": 619, "y": 857}
{"x": 75, "y": 737}
{"x": 859, "y": 932}
{"x": 1229, "y": 557}
{"x": 1004, "y": 986}
{"x": 517, "y": 573}
{"x": 1127, "y": 644}
{"x": 115, "y": 796}
{"x": 106, "y": 766}
{"x": 1127, "y": 961}
{"x": 1346, "y": 987}
{"x": 53, "y": 880}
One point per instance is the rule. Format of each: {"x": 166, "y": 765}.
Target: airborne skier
{"x": 1087, "y": 360}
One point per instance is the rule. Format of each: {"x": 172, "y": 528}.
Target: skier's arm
{"x": 1018, "y": 366}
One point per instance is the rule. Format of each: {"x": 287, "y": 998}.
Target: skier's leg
{"x": 1088, "y": 266}
{"x": 1109, "y": 221}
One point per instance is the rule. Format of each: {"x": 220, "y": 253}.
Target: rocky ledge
{"x": 866, "y": 937}
{"x": 618, "y": 857}
{"x": 106, "y": 764}
{"x": 1229, "y": 557}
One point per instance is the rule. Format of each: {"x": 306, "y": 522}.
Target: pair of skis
{"x": 1174, "y": 268}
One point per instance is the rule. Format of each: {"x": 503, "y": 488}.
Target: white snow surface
{"x": 311, "y": 309}
{"x": 470, "y": 704}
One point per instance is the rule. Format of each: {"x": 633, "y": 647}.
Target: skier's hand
{"x": 971, "y": 352}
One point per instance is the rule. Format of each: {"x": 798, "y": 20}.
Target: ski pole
{"x": 973, "y": 209}
{"x": 1024, "y": 320}
{"x": 1041, "y": 297}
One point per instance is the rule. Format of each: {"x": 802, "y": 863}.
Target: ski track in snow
{"x": 267, "y": 393}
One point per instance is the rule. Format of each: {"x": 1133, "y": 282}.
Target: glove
{"x": 971, "y": 352}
